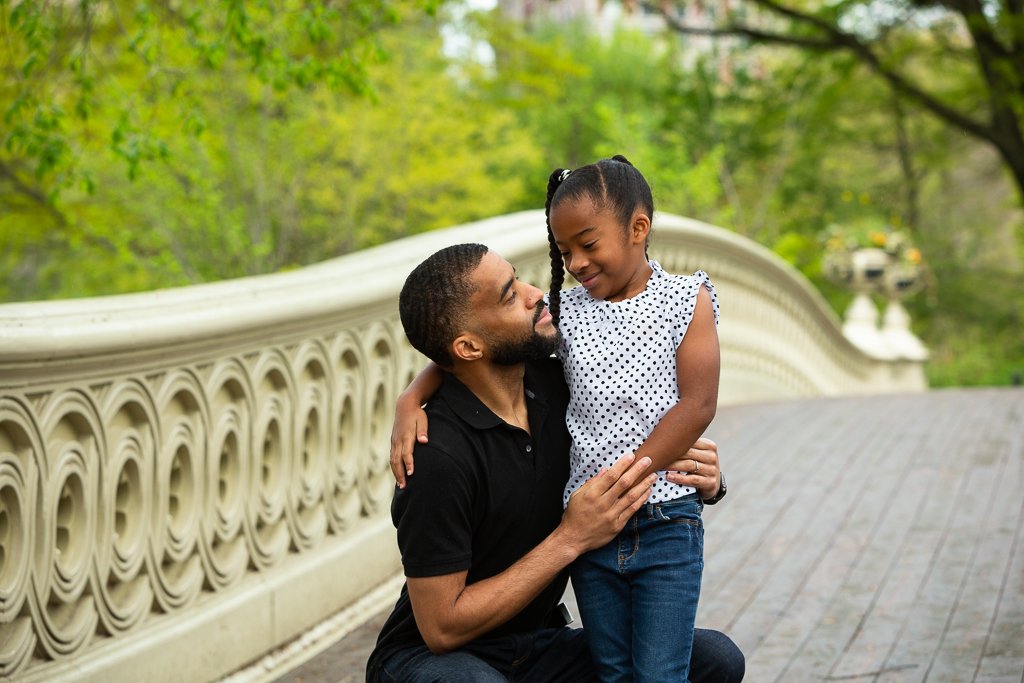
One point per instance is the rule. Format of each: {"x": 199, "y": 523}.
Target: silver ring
{"x": 696, "y": 467}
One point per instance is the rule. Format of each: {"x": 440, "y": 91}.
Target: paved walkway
{"x": 866, "y": 539}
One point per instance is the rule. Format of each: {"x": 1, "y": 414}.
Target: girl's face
{"x": 606, "y": 258}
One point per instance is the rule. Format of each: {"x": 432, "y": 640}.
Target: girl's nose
{"x": 577, "y": 263}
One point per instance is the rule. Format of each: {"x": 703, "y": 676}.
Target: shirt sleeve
{"x": 686, "y": 303}
{"x": 433, "y": 515}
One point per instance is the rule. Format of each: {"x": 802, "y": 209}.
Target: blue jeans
{"x": 638, "y": 594}
{"x": 558, "y": 655}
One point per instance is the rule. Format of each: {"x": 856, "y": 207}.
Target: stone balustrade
{"x": 192, "y": 477}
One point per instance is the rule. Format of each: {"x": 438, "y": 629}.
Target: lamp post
{"x": 893, "y": 272}
{"x": 864, "y": 271}
{"x": 901, "y": 280}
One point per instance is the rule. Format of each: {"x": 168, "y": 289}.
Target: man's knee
{"x": 716, "y": 658}
{"x": 422, "y": 666}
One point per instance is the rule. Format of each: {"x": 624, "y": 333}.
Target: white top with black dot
{"x": 620, "y": 364}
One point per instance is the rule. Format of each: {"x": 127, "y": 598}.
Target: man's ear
{"x": 640, "y": 227}
{"x": 467, "y": 347}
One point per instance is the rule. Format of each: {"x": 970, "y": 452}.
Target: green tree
{"x": 978, "y": 45}
{"x": 277, "y": 178}
{"x": 63, "y": 61}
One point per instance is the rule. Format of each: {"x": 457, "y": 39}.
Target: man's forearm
{"x": 485, "y": 605}
{"x": 450, "y": 613}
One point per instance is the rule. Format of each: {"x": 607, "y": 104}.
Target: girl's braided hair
{"x": 611, "y": 184}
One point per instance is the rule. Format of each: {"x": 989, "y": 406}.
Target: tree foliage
{"x": 279, "y": 174}
{"x": 65, "y": 63}
{"x": 906, "y": 43}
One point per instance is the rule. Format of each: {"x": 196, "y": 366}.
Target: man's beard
{"x": 533, "y": 346}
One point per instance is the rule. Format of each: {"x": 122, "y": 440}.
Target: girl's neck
{"x": 636, "y": 284}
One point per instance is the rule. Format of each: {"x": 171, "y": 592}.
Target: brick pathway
{"x": 864, "y": 539}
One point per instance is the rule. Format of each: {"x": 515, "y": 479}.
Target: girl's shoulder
{"x": 686, "y": 286}
{"x": 699, "y": 277}
{"x": 678, "y": 296}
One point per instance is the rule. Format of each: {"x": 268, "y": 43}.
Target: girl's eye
{"x": 589, "y": 245}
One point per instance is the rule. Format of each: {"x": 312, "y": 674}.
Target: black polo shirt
{"x": 484, "y": 493}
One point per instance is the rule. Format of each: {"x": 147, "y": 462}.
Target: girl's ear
{"x": 467, "y": 347}
{"x": 640, "y": 227}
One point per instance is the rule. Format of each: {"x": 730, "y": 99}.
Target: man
{"x": 484, "y": 539}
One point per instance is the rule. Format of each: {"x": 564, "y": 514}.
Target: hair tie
{"x": 564, "y": 175}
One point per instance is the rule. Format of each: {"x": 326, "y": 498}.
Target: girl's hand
{"x": 410, "y": 424}
{"x": 699, "y": 468}
{"x": 410, "y": 427}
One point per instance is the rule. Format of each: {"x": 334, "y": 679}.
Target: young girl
{"x": 640, "y": 355}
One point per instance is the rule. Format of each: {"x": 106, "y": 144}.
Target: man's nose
{"x": 534, "y": 296}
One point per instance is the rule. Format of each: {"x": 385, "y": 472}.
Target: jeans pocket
{"x": 682, "y": 511}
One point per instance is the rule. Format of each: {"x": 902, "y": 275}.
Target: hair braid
{"x": 557, "y": 268}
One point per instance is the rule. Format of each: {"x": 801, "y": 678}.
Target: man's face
{"x": 510, "y": 315}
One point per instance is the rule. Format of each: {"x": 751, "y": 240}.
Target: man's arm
{"x": 450, "y": 613}
{"x": 697, "y": 371}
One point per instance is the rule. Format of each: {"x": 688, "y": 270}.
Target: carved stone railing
{"x": 192, "y": 477}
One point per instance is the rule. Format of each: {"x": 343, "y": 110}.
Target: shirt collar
{"x": 472, "y": 410}
{"x": 657, "y": 272}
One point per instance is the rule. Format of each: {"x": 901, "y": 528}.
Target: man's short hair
{"x": 435, "y": 299}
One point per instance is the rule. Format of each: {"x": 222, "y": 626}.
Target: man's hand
{"x": 699, "y": 468}
{"x": 601, "y": 507}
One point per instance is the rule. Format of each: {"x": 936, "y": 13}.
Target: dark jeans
{"x": 546, "y": 656}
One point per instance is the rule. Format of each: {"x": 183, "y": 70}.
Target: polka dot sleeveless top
{"x": 620, "y": 364}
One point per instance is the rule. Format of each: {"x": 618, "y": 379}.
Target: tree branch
{"x": 839, "y": 40}
{"x": 741, "y": 31}
{"x": 983, "y": 32}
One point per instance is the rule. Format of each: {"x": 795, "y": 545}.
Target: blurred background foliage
{"x": 150, "y": 144}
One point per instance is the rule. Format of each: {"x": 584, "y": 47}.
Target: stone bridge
{"x": 193, "y": 478}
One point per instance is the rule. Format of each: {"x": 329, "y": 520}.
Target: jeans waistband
{"x": 648, "y": 508}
